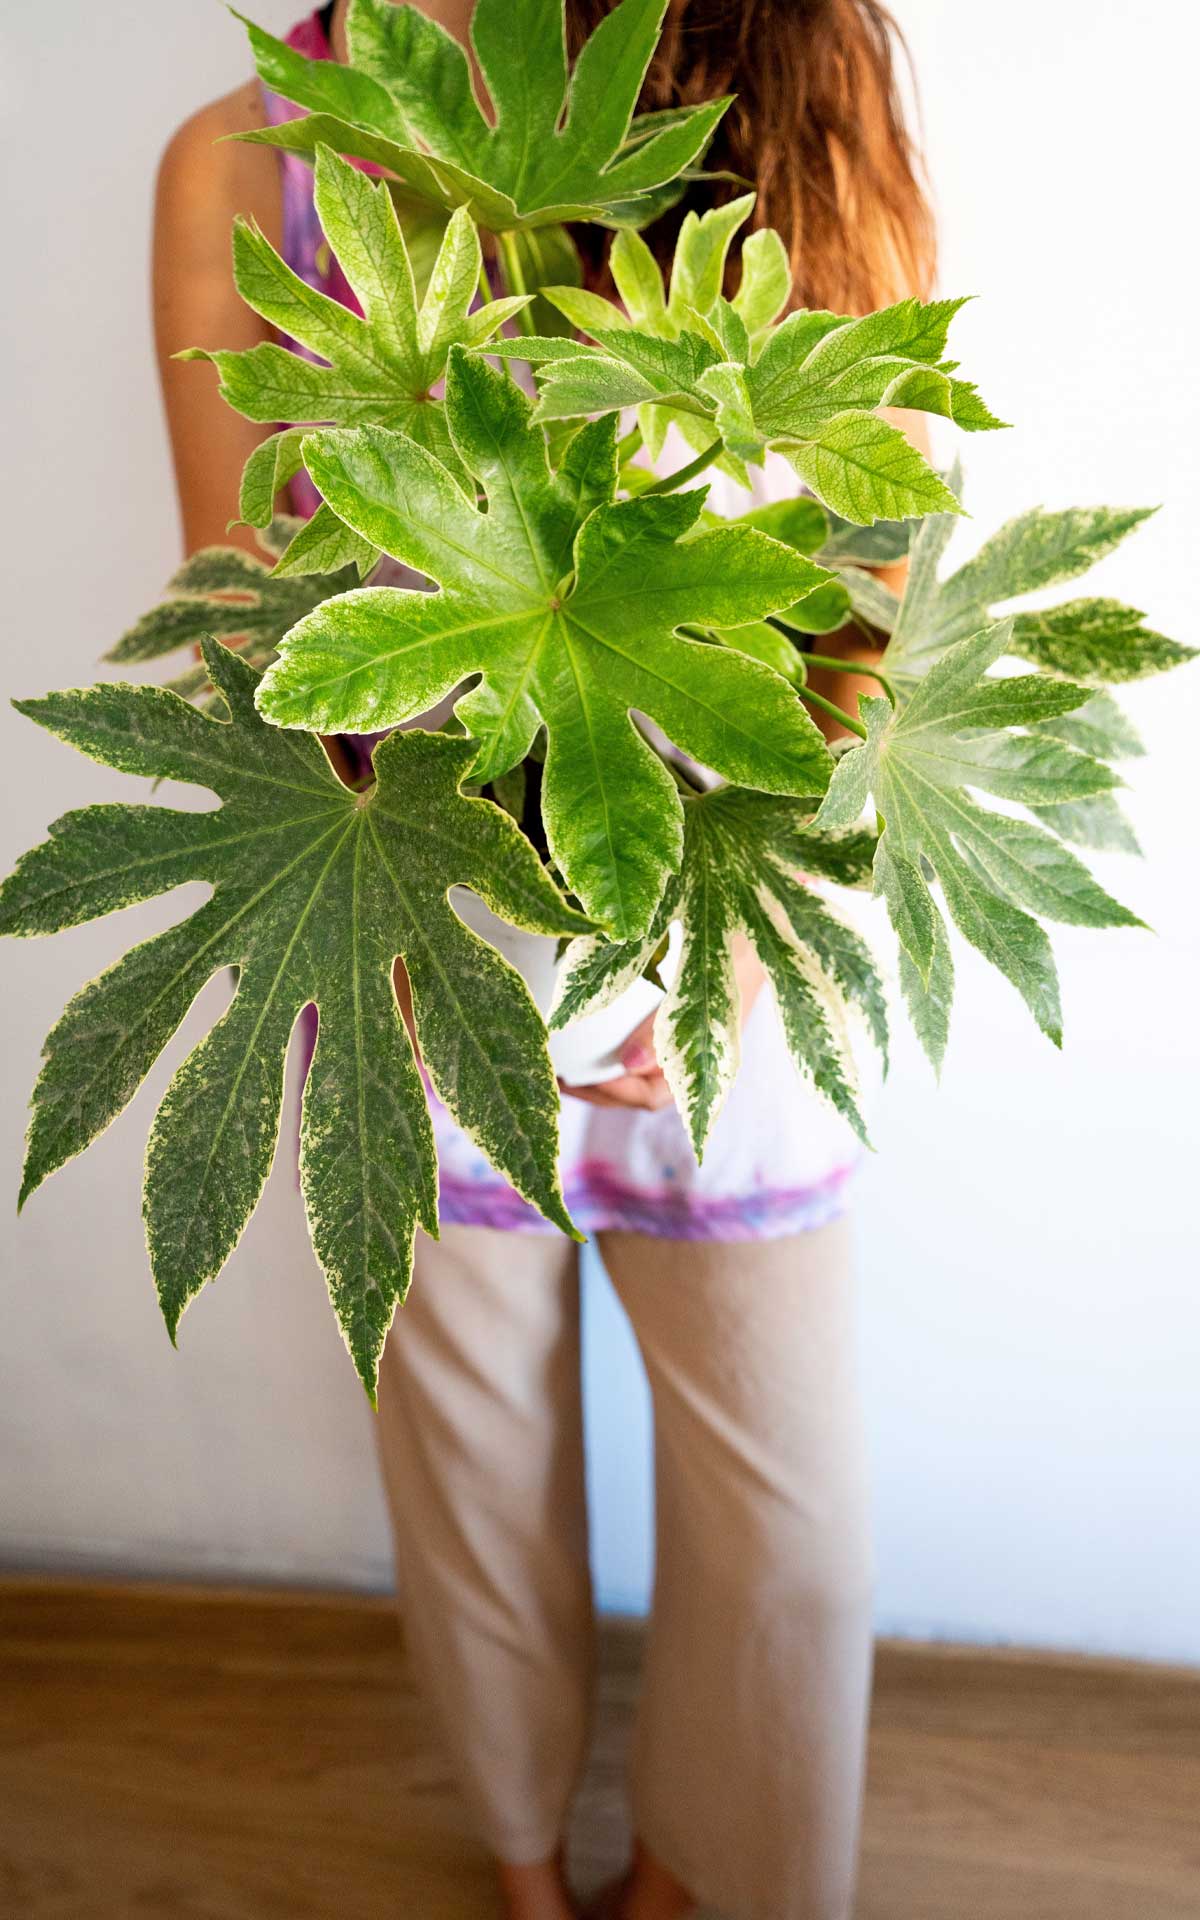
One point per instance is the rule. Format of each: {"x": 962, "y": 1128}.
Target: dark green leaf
{"x": 316, "y": 890}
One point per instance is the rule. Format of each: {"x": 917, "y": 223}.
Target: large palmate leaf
{"x": 567, "y": 604}
{"x": 316, "y": 890}
{"x": 999, "y": 875}
{"x": 811, "y": 391}
{"x": 562, "y": 146}
{"x": 377, "y": 366}
{"x": 226, "y": 593}
{"x": 696, "y": 279}
{"x": 745, "y": 855}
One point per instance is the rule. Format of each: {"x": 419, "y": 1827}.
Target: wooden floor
{"x": 260, "y": 1756}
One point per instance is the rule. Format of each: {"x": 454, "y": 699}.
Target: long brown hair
{"x": 817, "y": 126}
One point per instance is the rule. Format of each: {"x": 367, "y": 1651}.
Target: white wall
{"x": 1030, "y": 1309}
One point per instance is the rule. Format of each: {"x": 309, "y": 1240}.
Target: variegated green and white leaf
{"x": 316, "y": 891}
{"x": 1097, "y": 823}
{"x": 743, "y": 872}
{"x": 1096, "y": 641}
{"x": 929, "y": 997}
{"x": 999, "y": 875}
{"x": 1090, "y": 641}
{"x": 1100, "y": 727}
{"x": 226, "y": 593}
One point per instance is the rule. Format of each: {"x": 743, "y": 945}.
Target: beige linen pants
{"x": 748, "y": 1753}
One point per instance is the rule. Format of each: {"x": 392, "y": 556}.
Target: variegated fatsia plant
{"x": 569, "y": 593}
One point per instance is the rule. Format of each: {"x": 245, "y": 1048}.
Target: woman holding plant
{"x": 748, "y": 1764}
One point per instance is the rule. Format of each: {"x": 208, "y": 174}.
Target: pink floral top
{"x": 779, "y": 1160}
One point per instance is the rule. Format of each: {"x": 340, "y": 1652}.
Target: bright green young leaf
{"x": 697, "y": 279}
{"x": 316, "y": 890}
{"x": 325, "y": 545}
{"x": 379, "y": 366}
{"x": 274, "y": 462}
{"x": 957, "y": 734}
{"x": 568, "y": 606}
{"x": 744, "y": 861}
{"x": 698, "y": 268}
{"x": 564, "y": 146}
{"x": 811, "y": 391}
{"x": 766, "y": 284}
{"x": 226, "y": 593}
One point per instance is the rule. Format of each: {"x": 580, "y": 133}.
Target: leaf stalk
{"x": 672, "y": 481}
{"x": 852, "y": 666}
{"x": 834, "y": 712}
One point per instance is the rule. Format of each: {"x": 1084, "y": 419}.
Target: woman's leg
{"x": 748, "y": 1759}
{"x": 481, "y": 1441}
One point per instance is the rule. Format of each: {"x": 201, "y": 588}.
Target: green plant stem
{"x": 835, "y": 713}
{"x": 514, "y": 279}
{"x": 627, "y": 447}
{"x": 694, "y": 467}
{"x": 851, "y": 666}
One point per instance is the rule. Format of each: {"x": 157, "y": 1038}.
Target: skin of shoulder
{"x": 204, "y": 180}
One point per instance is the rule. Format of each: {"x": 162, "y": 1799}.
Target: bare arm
{"x": 201, "y": 186}
{"x": 204, "y": 180}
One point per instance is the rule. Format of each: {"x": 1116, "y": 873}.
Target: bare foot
{"x": 608, "y": 1904}
{"x": 648, "y": 1891}
{"x": 537, "y": 1891}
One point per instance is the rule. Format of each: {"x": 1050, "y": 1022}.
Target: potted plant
{"x": 594, "y": 622}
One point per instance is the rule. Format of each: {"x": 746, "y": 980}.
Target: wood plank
{"x": 243, "y": 1755}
